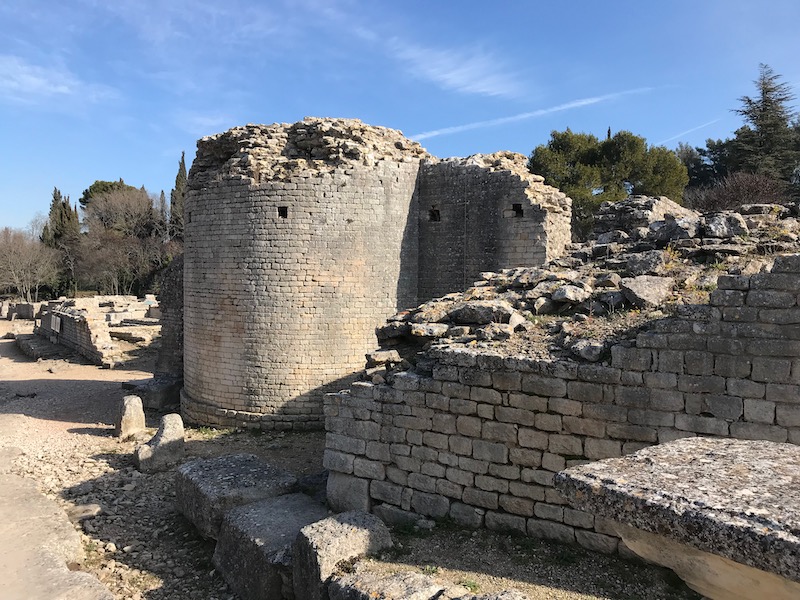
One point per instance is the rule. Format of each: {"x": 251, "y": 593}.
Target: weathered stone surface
{"x": 37, "y": 542}
{"x": 254, "y": 549}
{"x": 645, "y": 262}
{"x": 205, "y": 489}
{"x": 733, "y": 498}
{"x": 130, "y": 419}
{"x": 369, "y": 586}
{"x": 319, "y": 547}
{"x": 571, "y": 293}
{"x": 165, "y": 449}
{"x": 724, "y": 225}
{"x": 647, "y": 291}
{"x": 482, "y": 312}
{"x": 346, "y": 492}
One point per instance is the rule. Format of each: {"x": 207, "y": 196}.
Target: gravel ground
{"x": 61, "y": 413}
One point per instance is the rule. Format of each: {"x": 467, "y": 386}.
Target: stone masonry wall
{"x": 301, "y": 239}
{"x": 293, "y": 245}
{"x": 81, "y": 325}
{"x": 478, "y": 437}
{"x": 485, "y": 213}
{"x": 170, "y": 298}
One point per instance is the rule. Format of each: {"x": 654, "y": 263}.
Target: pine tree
{"x": 177, "y": 196}
{"x": 766, "y": 144}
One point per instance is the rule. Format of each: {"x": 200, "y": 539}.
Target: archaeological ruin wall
{"x": 478, "y": 436}
{"x": 301, "y": 239}
{"x": 484, "y": 213}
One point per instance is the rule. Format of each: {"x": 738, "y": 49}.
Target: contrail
{"x": 683, "y": 133}
{"x": 527, "y": 115}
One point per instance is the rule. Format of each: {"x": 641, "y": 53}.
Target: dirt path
{"x": 61, "y": 415}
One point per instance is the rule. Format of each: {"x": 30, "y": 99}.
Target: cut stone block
{"x": 321, "y": 546}
{"x": 206, "y": 489}
{"x": 724, "y": 514}
{"x": 254, "y": 547}
{"x": 369, "y": 586}
{"x": 130, "y": 420}
{"x": 346, "y": 492}
{"x": 165, "y": 449}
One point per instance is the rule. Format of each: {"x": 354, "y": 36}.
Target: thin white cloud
{"x": 687, "y": 132}
{"x": 528, "y": 115}
{"x": 200, "y": 124}
{"x": 471, "y": 71}
{"x": 22, "y": 81}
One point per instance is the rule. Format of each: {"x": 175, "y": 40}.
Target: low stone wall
{"x": 478, "y": 437}
{"x": 81, "y": 325}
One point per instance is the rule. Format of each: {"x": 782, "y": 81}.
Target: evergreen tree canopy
{"x": 101, "y": 188}
{"x": 591, "y": 171}
{"x": 767, "y": 144}
{"x": 62, "y": 221}
{"x": 176, "y": 198}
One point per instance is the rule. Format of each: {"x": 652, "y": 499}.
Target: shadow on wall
{"x": 286, "y": 417}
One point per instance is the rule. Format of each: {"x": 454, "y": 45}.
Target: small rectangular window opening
{"x": 517, "y": 208}
{"x": 283, "y": 212}
{"x": 434, "y": 215}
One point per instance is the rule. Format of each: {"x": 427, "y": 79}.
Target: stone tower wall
{"x": 294, "y": 240}
{"x": 301, "y": 239}
{"x": 485, "y": 213}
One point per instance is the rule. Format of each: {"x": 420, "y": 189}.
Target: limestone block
{"x": 130, "y": 419}
{"x": 206, "y": 489}
{"x": 647, "y": 291}
{"x": 321, "y": 546}
{"x": 165, "y": 449}
{"x": 254, "y": 549}
{"x": 346, "y": 492}
{"x": 368, "y": 586}
{"x": 733, "y": 499}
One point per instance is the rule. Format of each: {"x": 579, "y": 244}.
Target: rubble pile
{"x": 647, "y": 256}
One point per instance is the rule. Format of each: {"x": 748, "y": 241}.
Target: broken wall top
{"x": 282, "y": 150}
{"x": 315, "y": 145}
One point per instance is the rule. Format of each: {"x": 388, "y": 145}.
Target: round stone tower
{"x": 298, "y": 243}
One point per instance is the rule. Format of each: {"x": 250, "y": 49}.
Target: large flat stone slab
{"x": 37, "y": 543}
{"x": 206, "y": 489}
{"x": 737, "y": 500}
{"x": 254, "y": 547}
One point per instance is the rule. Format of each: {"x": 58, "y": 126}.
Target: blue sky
{"x": 103, "y": 89}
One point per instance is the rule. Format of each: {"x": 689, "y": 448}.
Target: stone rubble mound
{"x": 646, "y": 254}
{"x": 278, "y": 151}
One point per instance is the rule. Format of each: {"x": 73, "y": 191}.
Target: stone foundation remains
{"x": 300, "y": 239}
{"x": 478, "y": 436}
{"x": 82, "y": 324}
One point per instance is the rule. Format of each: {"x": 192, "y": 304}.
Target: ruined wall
{"x": 294, "y": 252}
{"x": 485, "y": 213}
{"x": 170, "y": 299}
{"x": 301, "y": 239}
{"x": 80, "y": 324}
{"x": 478, "y": 437}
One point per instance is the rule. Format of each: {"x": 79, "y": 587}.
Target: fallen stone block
{"x": 130, "y": 419}
{"x": 369, "y": 586}
{"x": 254, "y": 546}
{"x": 647, "y": 291}
{"x": 323, "y": 545}
{"x": 722, "y": 513}
{"x": 165, "y": 449}
{"x": 205, "y": 489}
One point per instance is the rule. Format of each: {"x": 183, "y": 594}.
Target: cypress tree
{"x": 176, "y": 198}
